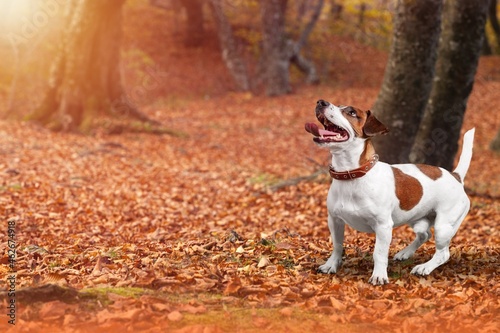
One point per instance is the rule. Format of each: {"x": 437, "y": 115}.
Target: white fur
{"x": 370, "y": 204}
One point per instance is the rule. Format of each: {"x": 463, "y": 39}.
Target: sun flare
{"x": 12, "y": 12}
{"x": 23, "y": 21}
{"x": 26, "y": 16}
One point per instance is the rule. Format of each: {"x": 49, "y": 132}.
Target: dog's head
{"x": 343, "y": 124}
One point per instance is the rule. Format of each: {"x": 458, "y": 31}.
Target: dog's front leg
{"x": 337, "y": 227}
{"x": 383, "y": 237}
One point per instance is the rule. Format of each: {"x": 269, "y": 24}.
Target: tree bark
{"x": 195, "y": 31}
{"x": 495, "y": 144}
{"x": 458, "y": 56}
{"x": 492, "y": 15}
{"x": 86, "y": 79}
{"x": 230, "y": 54}
{"x": 276, "y": 60}
{"x": 408, "y": 76}
{"x": 303, "y": 64}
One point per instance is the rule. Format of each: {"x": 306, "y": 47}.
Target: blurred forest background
{"x": 65, "y": 64}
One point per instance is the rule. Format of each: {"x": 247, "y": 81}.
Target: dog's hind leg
{"x": 445, "y": 228}
{"x": 422, "y": 232}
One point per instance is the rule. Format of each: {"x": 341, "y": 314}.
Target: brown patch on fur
{"x": 367, "y": 153}
{"x": 430, "y": 171}
{"x": 409, "y": 191}
{"x": 357, "y": 122}
{"x": 457, "y": 177}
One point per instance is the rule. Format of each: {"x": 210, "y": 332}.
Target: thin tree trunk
{"x": 303, "y": 64}
{"x": 304, "y": 36}
{"x": 408, "y": 76}
{"x": 495, "y": 144}
{"x": 492, "y": 15}
{"x": 486, "y": 50}
{"x": 459, "y": 51}
{"x": 230, "y": 54}
{"x": 86, "y": 79}
{"x": 195, "y": 31}
{"x": 276, "y": 58}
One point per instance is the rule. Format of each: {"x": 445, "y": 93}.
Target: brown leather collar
{"x": 356, "y": 173}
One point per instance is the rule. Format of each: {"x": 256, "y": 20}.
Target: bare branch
{"x": 310, "y": 26}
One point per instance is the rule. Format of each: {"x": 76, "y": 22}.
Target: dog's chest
{"x": 357, "y": 204}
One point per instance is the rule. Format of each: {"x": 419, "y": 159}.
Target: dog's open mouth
{"x": 331, "y": 133}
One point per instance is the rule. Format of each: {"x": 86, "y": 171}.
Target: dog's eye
{"x": 350, "y": 111}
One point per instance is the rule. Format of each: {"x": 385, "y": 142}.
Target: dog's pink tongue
{"x": 313, "y": 129}
{"x": 325, "y": 133}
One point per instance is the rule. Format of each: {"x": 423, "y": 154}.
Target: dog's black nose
{"x": 322, "y": 103}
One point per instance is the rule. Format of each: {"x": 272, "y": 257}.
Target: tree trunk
{"x": 495, "y": 144}
{"x": 86, "y": 79}
{"x": 230, "y": 54}
{"x": 458, "y": 56}
{"x": 303, "y": 64}
{"x": 492, "y": 15}
{"x": 276, "y": 58}
{"x": 408, "y": 76}
{"x": 486, "y": 50}
{"x": 195, "y": 31}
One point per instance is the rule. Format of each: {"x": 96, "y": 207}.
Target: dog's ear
{"x": 373, "y": 126}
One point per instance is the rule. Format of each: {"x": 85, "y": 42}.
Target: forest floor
{"x": 193, "y": 232}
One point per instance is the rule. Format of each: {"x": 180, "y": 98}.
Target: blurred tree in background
{"x": 229, "y": 48}
{"x": 462, "y": 35}
{"x": 266, "y": 46}
{"x": 408, "y": 75}
{"x": 194, "y": 26}
{"x": 86, "y": 80}
{"x": 423, "y": 101}
{"x": 278, "y": 49}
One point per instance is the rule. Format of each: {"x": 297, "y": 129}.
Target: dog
{"x": 372, "y": 196}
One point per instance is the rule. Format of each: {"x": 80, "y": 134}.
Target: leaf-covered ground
{"x": 185, "y": 233}
{"x": 192, "y": 215}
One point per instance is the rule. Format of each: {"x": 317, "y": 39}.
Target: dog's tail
{"x": 466, "y": 156}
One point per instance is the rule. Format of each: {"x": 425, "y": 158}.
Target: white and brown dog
{"x": 372, "y": 196}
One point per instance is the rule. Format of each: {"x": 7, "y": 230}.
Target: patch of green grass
{"x": 12, "y": 187}
{"x": 101, "y": 293}
{"x": 264, "y": 179}
{"x": 174, "y": 102}
{"x": 400, "y": 268}
{"x": 231, "y": 318}
{"x": 113, "y": 253}
{"x": 268, "y": 242}
{"x": 143, "y": 127}
{"x": 287, "y": 262}
{"x": 293, "y": 320}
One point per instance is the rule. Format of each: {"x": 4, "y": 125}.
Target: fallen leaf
{"x": 175, "y": 316}
{"x": 263, "y": 262}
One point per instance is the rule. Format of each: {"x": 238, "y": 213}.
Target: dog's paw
{"x": 325, "y": 269}
{"x": 403, "y": 254}
{"x": 378, "y": 279}
{"x": 330, "y": 267}
{"x": 422, "y": 269}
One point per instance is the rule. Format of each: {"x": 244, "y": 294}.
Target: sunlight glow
{"x": 22, "y": 20}
{"x": 13, "y": 11}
